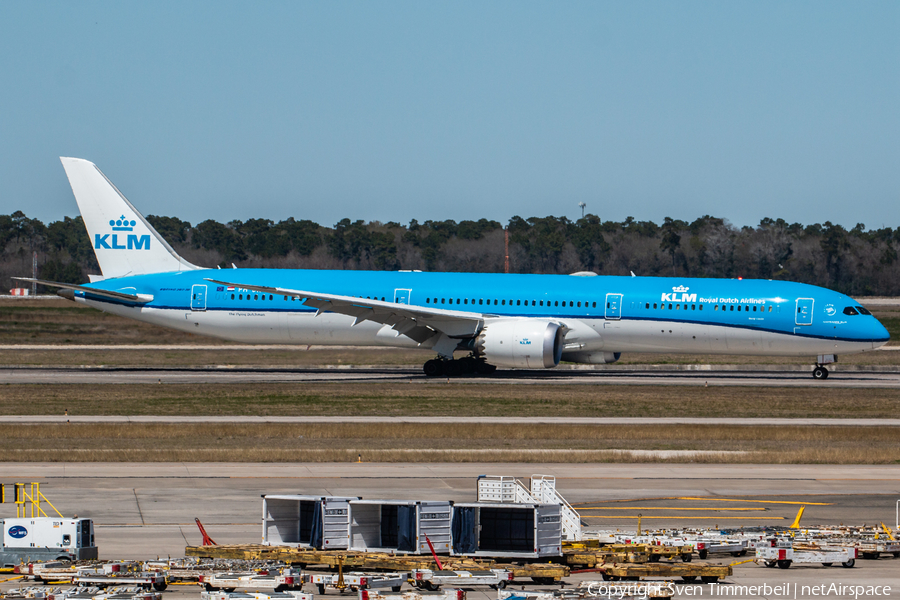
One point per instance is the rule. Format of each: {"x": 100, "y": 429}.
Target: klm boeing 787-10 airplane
{"x": 497, "y": 320}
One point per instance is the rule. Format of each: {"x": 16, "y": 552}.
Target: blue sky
{"x": 394, "y": 111}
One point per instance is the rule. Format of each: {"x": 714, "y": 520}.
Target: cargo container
{"x": 400, "y": 525}
{"x": 45, "y": 539}
{"x": 506, "y": 530}
{"x": 321, "y": 522}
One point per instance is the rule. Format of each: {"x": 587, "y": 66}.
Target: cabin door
{"x": 401, "y": 296}
{"x": 198, "y": 297}
{"x": 614, "y": 306}
{"x": 804, "y": 314}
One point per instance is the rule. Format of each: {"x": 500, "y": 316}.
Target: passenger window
{"x": 593, "y": 305}
{"x": 654, "y": 305}
{"x": 518, "y": 303}
{"x": 701, "y": 307}
{"x": 240, "y": 296}
{"x": 503, "y": 303}
{"x": 670, "y": 307}
{"x": 557, "y": 303}
{"x": 495, "y": 302}
{"x": 465, "y": 300}
{"x": 427, "y": 300}
{"x": 677, "y": 306}
{"x": 481, "y": 301}
{"x": 770, "y": 308}
{"x": 579, "y": 304}
{"x": 732, "y": 308}
{"x": 754, "y": 309}
{"x": 232, "y": 296}
{"x": 693, "y": 307}
{"x": 534, "y": 302}
{"x": 542, "y": 303}
{"x": 571, "y": 303}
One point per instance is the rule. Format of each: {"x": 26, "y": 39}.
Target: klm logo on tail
{"x": 110, "y": 241}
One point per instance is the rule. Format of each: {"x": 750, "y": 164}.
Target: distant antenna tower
{"x": 582, "y": 205}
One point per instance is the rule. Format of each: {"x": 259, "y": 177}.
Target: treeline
{"x": 857, "y": 261}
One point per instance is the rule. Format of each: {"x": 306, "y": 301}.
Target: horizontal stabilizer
{"x": 138, "y": 299}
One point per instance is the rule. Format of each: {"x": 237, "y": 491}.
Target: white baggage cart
{"x": 321, "y": 522}
{"x": 229, "y": 582}
{"x": 286, "y": 595}
{"x": 355, "y": 581}
{"x": 433, "y": 580}
{"x": 783, "y": 558}
{"x": 449, "y": 594}
{"x": 506, "y": 530}
{"x": 400, "y": 526}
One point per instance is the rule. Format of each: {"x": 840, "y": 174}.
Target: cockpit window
{"x": 863, "y": 310}
{"x": 850, "y": 311}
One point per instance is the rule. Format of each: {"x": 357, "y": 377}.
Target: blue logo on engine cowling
{"x": 17, "y": 531}
{"x": 110, "y": 241}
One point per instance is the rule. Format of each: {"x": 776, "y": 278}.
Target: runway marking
{"x": 718, "y": 518}
{"x": 740, "y": 508}
{"x": 759, "y": 501}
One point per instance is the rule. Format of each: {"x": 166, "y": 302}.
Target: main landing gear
{"x": 469, "y": 365}
{"x": 820, "y": 372}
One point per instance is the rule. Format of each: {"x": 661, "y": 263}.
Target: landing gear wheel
{"x": 467, "y": 365}
{"x": 482, "y": 368}
{"x": 820, "y": 373}
{"x": 433, "y": 368}
{"x": 452, "y": 368}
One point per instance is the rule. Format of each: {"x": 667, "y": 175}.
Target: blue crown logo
{"x": 680, "y": 289}
{"x": 122, "y": 224}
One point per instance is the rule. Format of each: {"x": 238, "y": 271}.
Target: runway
{"x": 739, "y": 376}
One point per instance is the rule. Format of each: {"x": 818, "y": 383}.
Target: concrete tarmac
{"x": 155, "y": 503}
{"x": 754, "y": 376}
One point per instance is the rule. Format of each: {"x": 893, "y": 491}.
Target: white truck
{"x": 47, "y": 539}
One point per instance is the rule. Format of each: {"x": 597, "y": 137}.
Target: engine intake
{"x": 522, "y": 343}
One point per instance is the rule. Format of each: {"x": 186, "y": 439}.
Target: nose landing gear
{"x": 454, "y": 368}
{"x": 820, "y": 372}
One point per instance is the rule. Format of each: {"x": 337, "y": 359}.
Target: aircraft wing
{"x": 141, "y": 299}
{"x": 417, "y": 322}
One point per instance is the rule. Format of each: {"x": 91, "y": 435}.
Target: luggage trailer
{"x": 404, "y": 526}
{"x": 506, "y": 530}
{"x": 319, "y": 522}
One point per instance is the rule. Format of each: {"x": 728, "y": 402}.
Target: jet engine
{"x": 523, "y": 343}
{"x": 592, "y": 358}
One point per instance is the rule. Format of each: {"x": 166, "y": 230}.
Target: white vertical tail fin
{"x": 123, "y": 241}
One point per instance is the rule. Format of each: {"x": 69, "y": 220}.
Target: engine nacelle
{"x": 523, "y": 343}
{"x": 592, "y": 358}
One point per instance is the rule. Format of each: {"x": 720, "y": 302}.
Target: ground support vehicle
{"x": 229, "y": 582}
{"x": 428, "y": 579}
{"x": 705, "y": 547}
{"x": 44, "y": 593}
{"x": 597, "y": 590}
{"x": 783, "y": 558}
{"x": 540, "y": 572}
{"x": 46, "y": 539}
{"x": 285, "y": 595}
{"x": 103, "y": 579}
{"x": 355, "y": 581}
{"x": 449, "y": 594}
{"x": 707, "y": 573}
{"x": 874, "y": 549}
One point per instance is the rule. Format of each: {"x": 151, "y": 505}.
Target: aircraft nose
{"x": 880, "y": 335}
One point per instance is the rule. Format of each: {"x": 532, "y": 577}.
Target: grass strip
{"x": 454, "y": 442}
{"x": 436, "y": 399}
